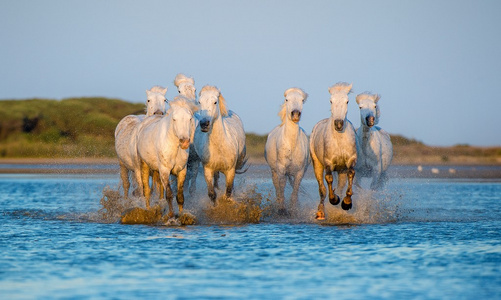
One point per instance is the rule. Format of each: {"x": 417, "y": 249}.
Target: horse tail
{"x": 242, "y": 166}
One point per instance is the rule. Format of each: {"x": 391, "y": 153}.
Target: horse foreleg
{"x": 346, "y": 205}
{"x": 124, "y": 176}
{"x": 333, "y": 198}
{"x": 216, "y": 180}
{"x": 145, "y": 177}
{"x": 209, "y": 177}
{"x": 230, "y": 177}
{"x": 165, "y": 178}
{"x": 319, "y": 172}
{"x": 181, "y": 176}
{"x": 279, "y": 189}
{"x": 295, "y": 189}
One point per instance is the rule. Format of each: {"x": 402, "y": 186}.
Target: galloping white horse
{"x": 286, "y": 149}
{"x": 374, "y": 147}
{"x": 333, "y": 149}
{"x": 219, "y": 140}
{"x": 125, "y": 138}
{"x": 162, "y": 146}
{"x": 186, "y": 87}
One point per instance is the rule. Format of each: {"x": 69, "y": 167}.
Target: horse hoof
{"x": 335, "y": 200}
{"x": 320, "y": 216}
{"x": 346, "y": 206}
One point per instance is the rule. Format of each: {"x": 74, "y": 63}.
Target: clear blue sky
{"x": 436, "y": 64}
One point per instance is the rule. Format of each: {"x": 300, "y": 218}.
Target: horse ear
{"x": 148, "y": 93}
{"x": 331, "y": 90}
{"x": 376, "y": 98}
{"x": 358, "y": 98}
{"x": 163, "y": 91}
{"x": 348, "y": 88}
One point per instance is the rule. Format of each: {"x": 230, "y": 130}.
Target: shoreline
{"x": 110, "y": 166}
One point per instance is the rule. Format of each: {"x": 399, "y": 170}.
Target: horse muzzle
{"x": 339, "y": 125}
{"x": 204, "y": 125}
{"x": 184, "y": 143}
{"x": 369, "y": 121}
{"x": 158, "y": 112}
{"x": 295, "y": 116}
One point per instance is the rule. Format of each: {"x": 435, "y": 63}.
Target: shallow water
{"x": 420, "y": 238}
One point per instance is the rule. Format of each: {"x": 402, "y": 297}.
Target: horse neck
{"x": 168, "y": 129}
{"x": 291, "y": 131}
{"x": 218, "y": 130}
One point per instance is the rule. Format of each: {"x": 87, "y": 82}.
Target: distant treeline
{"x": 84, "y": 127}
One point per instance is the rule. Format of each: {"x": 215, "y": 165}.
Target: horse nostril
{"x": 295, "y": 115}
{"x": 370, "y": 121}
{"x": 338, "y": 124}
{"x": 158, "y": 112}
{"x": 204, "y": 125}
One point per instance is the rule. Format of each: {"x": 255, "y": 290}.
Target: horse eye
{"x": 148, "y": 101}
{"x": 331, "y": 101}
{"x": 286, "y": 100}
{"x": 215, "y": 103}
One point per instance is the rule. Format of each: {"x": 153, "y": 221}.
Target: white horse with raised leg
{"x": 287, "y": 150}
{"x": 163, "y": 146}
{"x": 125, "y": 139}
{"x": 219, "y": 140}
{"x": 186, "y": 87}
{"x": 374, "y": 147}
{"x": 333, "y": 149}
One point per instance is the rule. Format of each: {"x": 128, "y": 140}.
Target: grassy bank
{"x": 84, "y": 128}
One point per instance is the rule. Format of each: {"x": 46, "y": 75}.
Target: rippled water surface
{"x": 420, "y": 238}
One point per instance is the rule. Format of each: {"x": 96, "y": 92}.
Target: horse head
{"x": 369, "y": 110}
{"x": 155, "y": 104}
{"x": 185, "y": 86}
{"x": 339, "y": 104}
{"x": 212, "y": 106}
{"x": 293, "y": 104}
{"x": 183, "y": 124}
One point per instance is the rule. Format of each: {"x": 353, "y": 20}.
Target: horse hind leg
{"x": 124, "y": 175}
{"x": 347, "y": 204}
{"x": 333, "y": 198}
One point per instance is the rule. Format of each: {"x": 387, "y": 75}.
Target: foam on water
{"x": 249, "y": 204}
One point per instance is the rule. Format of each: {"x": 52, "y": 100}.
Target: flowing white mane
{"x": 158, "y": 89}
{"x": 181, "y": 78}
{"x": 341, "y": 87}
{"x": 181, "y": 101}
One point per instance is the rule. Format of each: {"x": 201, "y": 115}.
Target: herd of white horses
{"x": 174, "y": 137}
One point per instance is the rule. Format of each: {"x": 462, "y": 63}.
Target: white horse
{"x": 162, "y": 146}
{"x": 219, "y": 140}
{"x": 374, "y": 147}
{"x": 333, "y": 149}
{"x": 186, "y": 87}
{"x": 125, "y": 138}
{"x": 286, "y": 150}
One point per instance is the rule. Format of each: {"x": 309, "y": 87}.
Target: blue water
{"x": 420, "y": 239}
